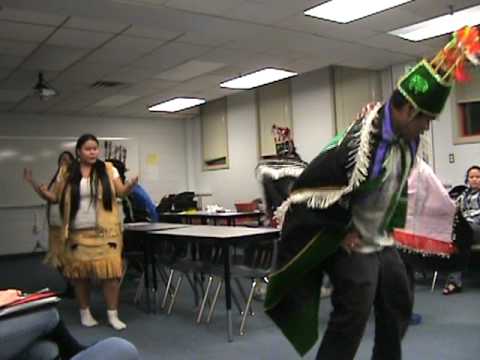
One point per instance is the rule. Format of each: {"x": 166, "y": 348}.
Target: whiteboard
{"x": 40, "y": 154}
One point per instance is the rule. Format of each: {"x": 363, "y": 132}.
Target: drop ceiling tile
{"x": 307, "y": 24}
{"x": 31, "y": 17}
{"x": 24, "y": 32}
{"x": 4, "y": 72}
{"x": 33, "y": 104}
{"x": 375, "y": 59}
{"x": 432, "y": 8}
{"x": 5, "y": 106}
{"x": 16, "y": 48}
{"x": 216, "y": 93}
{"x": 54, "y": 58}
{"x": 189, "y": 70}
{"x": 12, "y": 95}
{"x": 93, "y": 24}
{"x": 214, "y": 7}
{"x": 81, "y": 100}
{"x": 25, "y": 79}
{"x": 262, "y": 12}
{"x": 116, "y": 100}
{"x": 9, "y": 61}
{"x": 212, "y": 39}
{"x": 301, "y": 67}
{"x": 152, "y": 32}
{"x": 230, "y": 56}
{"x": 78, "y": 38}
{"x": 395, "y": 44}
{"x": 130, "y": 75}
{"x": 124, "y": 50}
{"x": 170, "y": 55}
{"x": 149, "y": 87}
{"x": 389, "y": 20}
{"x": 436, "y": 43}
{"x": 152, "y": 3}
{"x": 87, "y": 73}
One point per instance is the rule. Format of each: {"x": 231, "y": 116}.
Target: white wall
{"x": 313, "y": 126}
{"x": 163, "y": 138}
{"x": 237, "y": 183}
{"x": 313, "y": 112}
{"x": 465, "y": 155}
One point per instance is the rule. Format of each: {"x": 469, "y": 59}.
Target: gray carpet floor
{"x": 449, "y": 331}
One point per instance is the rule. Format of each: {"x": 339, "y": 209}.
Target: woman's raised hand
{"x": 27, "y": 175}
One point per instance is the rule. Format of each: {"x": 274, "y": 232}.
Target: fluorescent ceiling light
{"x": 344, "y": 11}
{"x": 440, "y": 25}
{"x": 257, "y": 78}
{"x": 176, "y": 104}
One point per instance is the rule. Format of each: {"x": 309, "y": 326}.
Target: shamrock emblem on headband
{"x": 418, "y": 84}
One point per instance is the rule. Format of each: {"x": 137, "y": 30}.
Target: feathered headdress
{"x": 427, "y": 86}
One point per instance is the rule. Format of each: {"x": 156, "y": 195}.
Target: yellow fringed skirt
{"x": 55, "y": 248}
{"x": 89, "y": 255}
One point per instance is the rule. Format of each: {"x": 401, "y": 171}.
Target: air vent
{"x": 106, "y": 84}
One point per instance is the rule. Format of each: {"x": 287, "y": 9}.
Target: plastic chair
{"x": 256, "y": 262}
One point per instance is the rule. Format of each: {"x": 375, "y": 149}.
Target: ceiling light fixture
{"x": 440, "y": 25}
{"x": 176, "y": 104}
{"x": 345, "y": 11}
{"x": 43, "y": 89}
{"x": 257, "y": 78}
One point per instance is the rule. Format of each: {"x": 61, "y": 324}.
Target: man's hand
{"x": 351, "y": 241}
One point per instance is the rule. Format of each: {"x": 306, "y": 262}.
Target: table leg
{"x": 146, "y": 269}
{"x": 153, "y": 263}
{"x": 228, "y": 293}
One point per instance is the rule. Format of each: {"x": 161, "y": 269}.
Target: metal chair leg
{"x": 244, "y": 296}
{"x": 247, "y": 308}
{"x": 241, "y": 289}
{"x": 214, "y": 301}
{"x": 174, "y": 297}
{"x": 204, "y": 300}
{"x": 237, "y": 303}
{"x": 167, "y": 289}
{"x": 434, "y": 281}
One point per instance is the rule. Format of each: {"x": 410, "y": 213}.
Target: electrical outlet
{"x": 451, "y": 158}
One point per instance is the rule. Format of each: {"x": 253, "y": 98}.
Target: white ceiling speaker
{"x": 43, "y": 89}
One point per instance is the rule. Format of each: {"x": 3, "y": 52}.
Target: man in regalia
{"x": 341, "y": 212}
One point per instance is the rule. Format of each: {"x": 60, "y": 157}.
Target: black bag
{"x": 184, "y": 201}
{"x": 166, "y": 204}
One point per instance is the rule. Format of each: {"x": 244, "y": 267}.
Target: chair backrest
{"x": 261, "y": 255}
{"x": 456, "y": 191}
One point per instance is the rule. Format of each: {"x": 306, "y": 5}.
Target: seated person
{"x": 468, "y": 204}
{"x": 41, "y": 334}
{"x": 139, "y": 206}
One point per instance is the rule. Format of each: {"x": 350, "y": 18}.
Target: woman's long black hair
{"x": 98, "y": 175}
{"x": 54, "y": 178}
{"x": 59, "y": 160}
